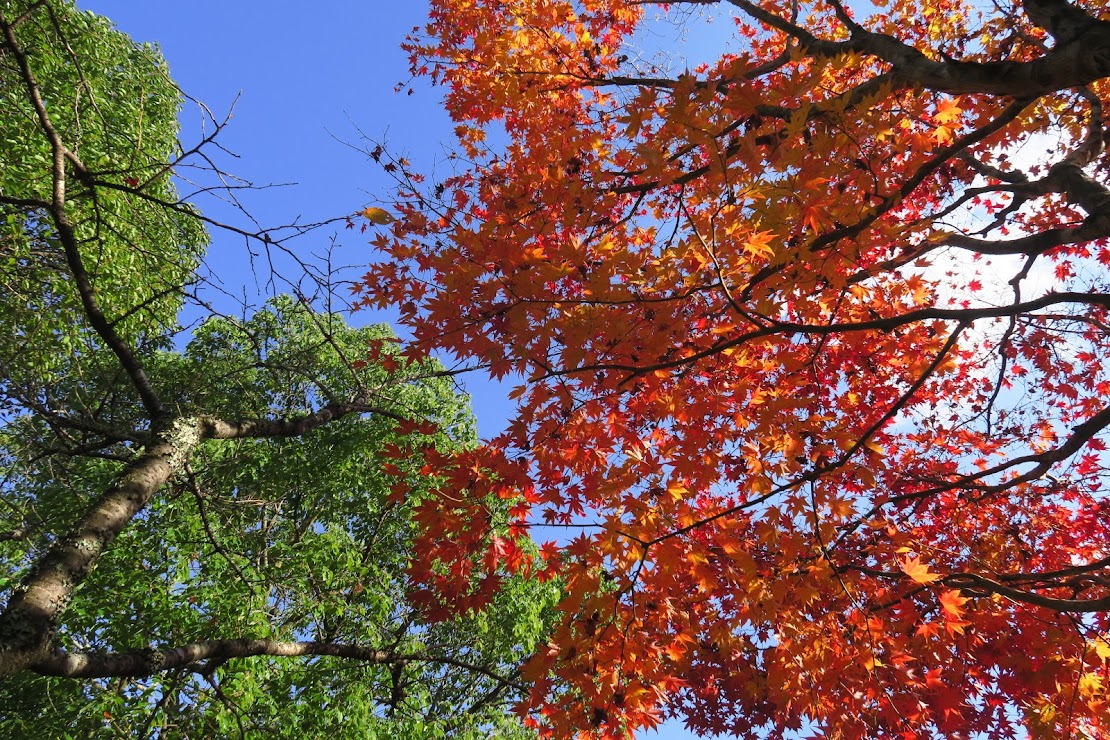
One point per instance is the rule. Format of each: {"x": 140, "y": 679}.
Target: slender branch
{"x": 67, "y": 235}
{"x": 977, "y": 585}
{"x": 882, "y": 324}
{"x": 823, "y": 469}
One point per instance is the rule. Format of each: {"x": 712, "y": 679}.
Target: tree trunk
{"x": 29, "y": 622}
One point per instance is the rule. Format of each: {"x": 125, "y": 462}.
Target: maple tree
{"x": 811, "y": 343}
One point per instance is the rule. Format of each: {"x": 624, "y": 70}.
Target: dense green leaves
{"x": 279, "y": 523}
{"x": 113, "y": 104}
{"x": 289, "y": 539}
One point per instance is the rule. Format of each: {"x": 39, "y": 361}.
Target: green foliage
{"x": 288, "y": 538}
{"x": 115, "y": 107}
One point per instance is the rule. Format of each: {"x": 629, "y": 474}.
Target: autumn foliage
{"x": 812, "y": 347}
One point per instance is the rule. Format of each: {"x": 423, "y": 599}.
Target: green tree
{"x": 202, "y": 541}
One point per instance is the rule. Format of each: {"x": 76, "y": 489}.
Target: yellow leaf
{"x": 377, "y": 216}
{"x": 1090, "y": 684}
{"x": 875, "y": 447}
{"x": 675, "y": 650}
{"x": 1102, "y": 647}
{"x": 918, "y": 571}
{"x": 759, "y": 244}
{"x": 948, "y": 111}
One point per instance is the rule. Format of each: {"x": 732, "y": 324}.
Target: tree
{"x": 296, "y": 543}
{"x": 812, "y": 342}
{"x": 203, "y": 535}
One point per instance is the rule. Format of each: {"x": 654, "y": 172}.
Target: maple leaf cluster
{"x": 812, "y": 340}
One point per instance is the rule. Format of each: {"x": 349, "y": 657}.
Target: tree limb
{"x": 148, "y": 662}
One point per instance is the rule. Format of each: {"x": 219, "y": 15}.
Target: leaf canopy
{"x": 813, "y": 341}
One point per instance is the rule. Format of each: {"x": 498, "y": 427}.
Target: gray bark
{"x": 28, "y": 624}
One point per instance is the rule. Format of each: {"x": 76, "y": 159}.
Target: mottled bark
{"x": 28, "y": 623}
{"x": 252, "y": 428}
{"x": 149, "y": 662}
{"x": 197, "y": 655}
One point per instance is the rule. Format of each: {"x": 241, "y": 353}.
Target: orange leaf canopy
{"x": 835, "y": 296}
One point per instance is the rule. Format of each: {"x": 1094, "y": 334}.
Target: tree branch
{"x": 1083, "y": 59}
{"x": 28, "y": 623}
{"x": 148, "y": 662}
{"x": 215, "y": 428}
{"x": 67, "y": 234}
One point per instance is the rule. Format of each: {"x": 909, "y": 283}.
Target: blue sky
{"x": 301, "y": 81}
{"x": 305, "y": 79}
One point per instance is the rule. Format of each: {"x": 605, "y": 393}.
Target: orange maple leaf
{"x": 952, "y": 603}
{"x": 918, "y": 571}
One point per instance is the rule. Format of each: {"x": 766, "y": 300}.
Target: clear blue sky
{"x": 304, "y": 79}
{"x": 308, "y": 76}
